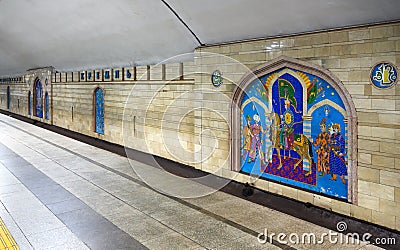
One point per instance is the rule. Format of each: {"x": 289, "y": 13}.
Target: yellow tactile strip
{"x": 7, "y": 242}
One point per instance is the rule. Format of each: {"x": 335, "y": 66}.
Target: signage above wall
{"x": 383, "y": 75}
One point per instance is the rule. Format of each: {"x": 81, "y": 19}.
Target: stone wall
{"x": 135, "y": 110}
{"x": 187, "y": 120}
{"x": 19, "y": 90}
{"x": 18, "y": 97}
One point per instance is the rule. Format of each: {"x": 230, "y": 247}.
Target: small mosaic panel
{"x": 47, "y": 106}
{"x": 99, "y": 110}
{"x": 216, "y": 78}
{"x": 82, "y": 76}
{"x": 8, "y": 97}
{"x": 90, "y": 75}
{"x": 98, "y": 75}
{"x": 107, "y": 75}
{"x": 29, "y": 103}
{"x": 129, "y": 73}
{"x": 384, "y": 75}
{"x": 117, "y": 74}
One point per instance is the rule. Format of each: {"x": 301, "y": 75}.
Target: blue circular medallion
{"x": 216, "y": 78}
{"x": 383, "y": 75}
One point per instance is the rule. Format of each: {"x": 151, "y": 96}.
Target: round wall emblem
{"x": 383, "y": 75}
{"x": 216, "y": 78}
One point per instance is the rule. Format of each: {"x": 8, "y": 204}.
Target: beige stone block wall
{"x": 150, "y": 116}
{"x": 18, "y": 97}
{"x": 156, "y": 72}
{"x": 19, "y": 101}
{"x": 75, "y": 76}
{"x": 57, "y": 77}
{"x": 172, "y": 71}
{"x": 69, "y": 76}
{"x": 141, "y": 73}
{"x": 53, "y": 77}
{"x": 63, "y": 77}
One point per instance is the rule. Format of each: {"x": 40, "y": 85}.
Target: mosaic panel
{"x": 384, "y": 75}
{"x": 99, "y": 110}
{"x": 29, "y": 103}
{"x": 294, "y": 131}
{"x": 38, "y": 99}
{"x": 47, "y": 106}
{"x": 8, "y": 97}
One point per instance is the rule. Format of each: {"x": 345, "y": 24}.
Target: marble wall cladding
{"x": 188, "y": 120}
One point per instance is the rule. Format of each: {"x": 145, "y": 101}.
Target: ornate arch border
{"x": 279, "y": 63}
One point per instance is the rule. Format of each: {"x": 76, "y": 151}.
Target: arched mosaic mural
{"x": 38, "y": 99}
{"x": 99, "y": 110}
{"x": 8, "y": 97}
{"x": 47, "y": 106}
{"x": 292, "y": 127}
{"x": 29, "y": 103}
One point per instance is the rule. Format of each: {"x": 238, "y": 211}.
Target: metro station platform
{"x": 60, "y": 193}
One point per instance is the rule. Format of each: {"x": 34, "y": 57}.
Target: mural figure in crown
{"x": 322, "y": 143}
{"x": 284, "y": 121}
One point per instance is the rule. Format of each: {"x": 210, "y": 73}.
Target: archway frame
{"x": 34, "y": 98}
{"x": 295, "y": 64}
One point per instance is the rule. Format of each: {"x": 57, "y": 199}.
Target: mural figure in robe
{"x": 322, "y": 147}
{"x": 246, "y": 132}
{"x": 287, "y": 131}
{"x": 256, "y": 131}
{"x": 337, "y": 152}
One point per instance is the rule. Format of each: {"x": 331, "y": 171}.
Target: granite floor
{"x": 59, "y": 193}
